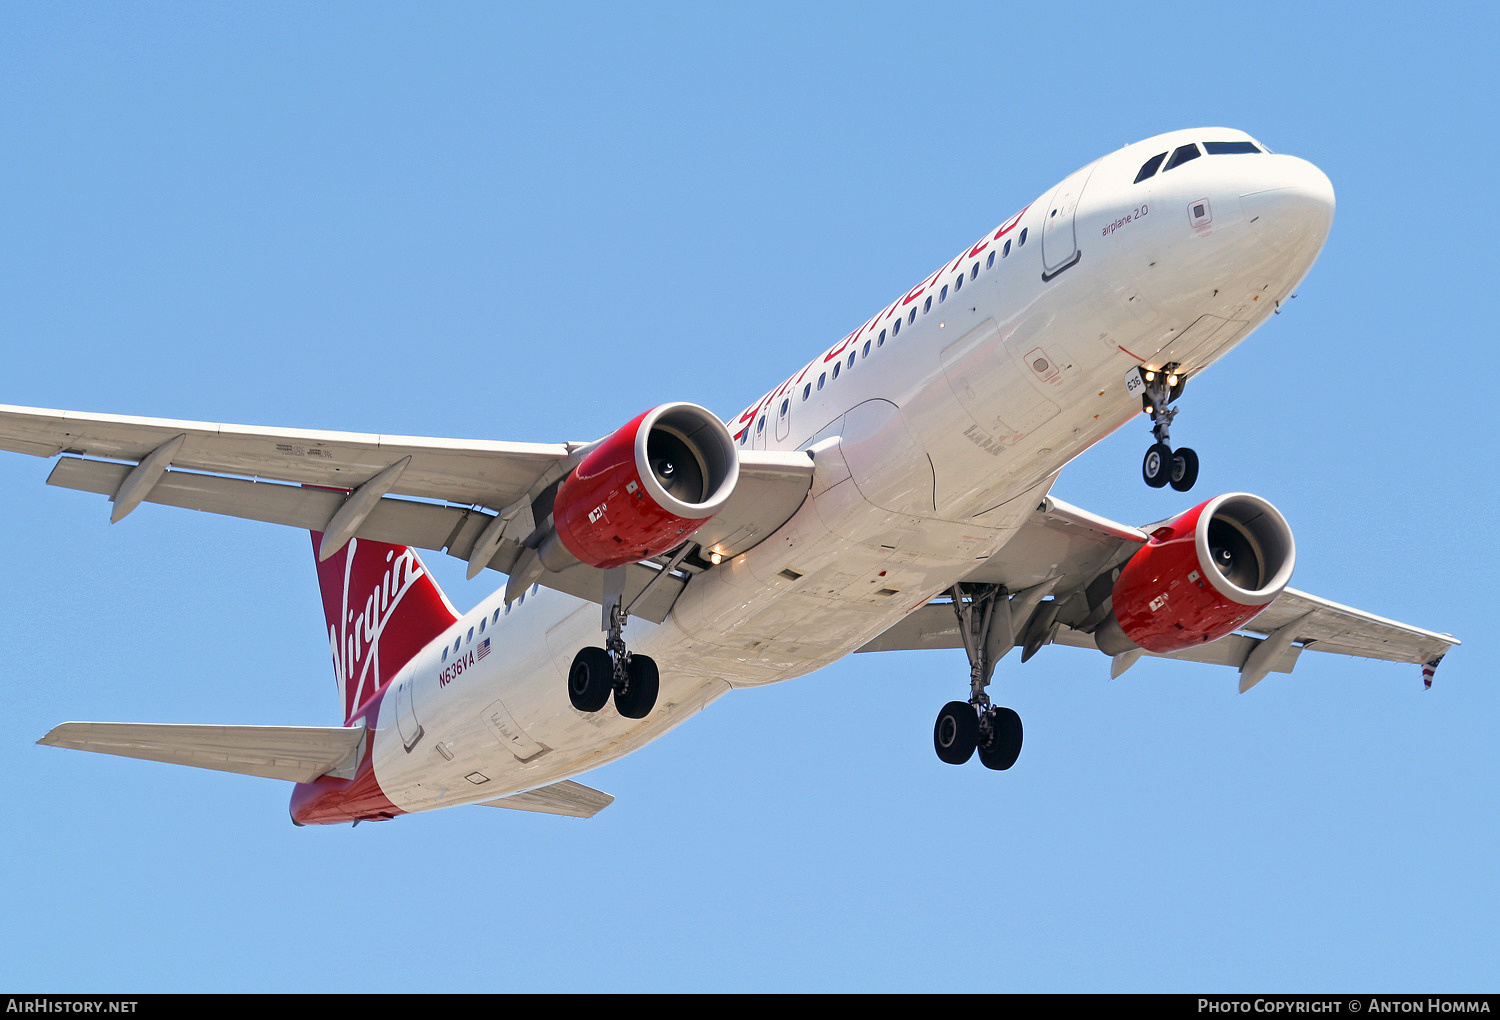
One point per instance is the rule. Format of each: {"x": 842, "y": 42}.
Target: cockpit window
{"x": 1229, "y": 148}
{"x": 1150, "y": 167}
{"x": 1182, "y": 155}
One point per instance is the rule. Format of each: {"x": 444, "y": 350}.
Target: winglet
{"x": 1428, "y": 669}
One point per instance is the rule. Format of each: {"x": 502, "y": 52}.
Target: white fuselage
{"x": 931, "y": 447}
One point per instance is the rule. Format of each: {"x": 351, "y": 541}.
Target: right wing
{"x": 478, "y": 500}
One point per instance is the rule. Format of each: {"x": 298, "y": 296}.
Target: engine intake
{"x": 1202, "y": 575}
{"x": 645, "y": 488}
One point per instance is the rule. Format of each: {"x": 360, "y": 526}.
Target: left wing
{"x": 1062, "y": 553}
{"x": 479, "y": 500}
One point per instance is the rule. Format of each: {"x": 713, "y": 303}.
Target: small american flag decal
{"x": 483, "y": 649}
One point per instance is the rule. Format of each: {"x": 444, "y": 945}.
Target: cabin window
{"x": 866, "y": 352}
{"x": 1229, "y": 148}
{"x": 482, "y": 621}
{"x": 852, "y": 355}
{"x": 880, "y": 340}
{"x": 806, "y": 391}
{"x": 836, "y": 366}
{"x": 912, "y": 318}
{"x": 926, "y": 305}
{"x": 785, "y": 406}
{"x": 1150, "y": 167}
{"x": 896, "y": 329}
{"x": 760, "y": 426}
{"x": 445, "y": 654}
{"x": 1022, "y": 239}
{"x": 1006, "y": 251}
{"x": 822, "y": 379}
{"x": 1182, "y": 155}
{"x": 989, "y": 263}
{"x": 496, "y": 617}
{"x": 943, "y": 294}
{"x": 958, "y": 284}
{"x": 456, "y": 643}
{"x": 974, "y": 272}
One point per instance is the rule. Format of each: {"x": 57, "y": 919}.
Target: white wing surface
{"x": 1063, "y": 549}
{"x": 353, "y": 482}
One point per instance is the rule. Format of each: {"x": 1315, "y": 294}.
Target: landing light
{"x": 1150, "y": 376}
{"x": 1171, "y": 380}
{"x": 715, "y": 558}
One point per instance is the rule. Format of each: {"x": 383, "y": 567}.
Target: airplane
{"x": 892, "y": 493}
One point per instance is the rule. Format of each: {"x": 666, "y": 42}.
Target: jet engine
{"x": 644, "y": 489}
{"x": 1202, "y": 575}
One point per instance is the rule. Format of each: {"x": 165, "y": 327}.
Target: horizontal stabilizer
{"x": 299, "y": 754}
{"x": 564, "y": 798}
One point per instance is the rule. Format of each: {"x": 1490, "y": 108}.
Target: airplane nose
{"x": 1291, "y": 206}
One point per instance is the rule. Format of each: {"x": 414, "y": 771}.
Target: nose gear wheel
{"x": 1162, "y": 466}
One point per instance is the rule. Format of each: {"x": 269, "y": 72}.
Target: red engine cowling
{"x": 1202, "y": 575}
{"x": 647, "y": 487}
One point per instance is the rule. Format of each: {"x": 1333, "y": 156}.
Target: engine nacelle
{"x": 647, "y": 487}
{"x": 1202, "y": 575}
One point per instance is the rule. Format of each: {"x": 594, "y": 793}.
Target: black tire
{"x": 956, "y": 732}
{"x": 1184, "y": 469}
{"x": 1156, "y": 468}
{"x": 591, "y": 679}
{"x": 642, "y": 683}
{"x": 1004, "y": 745}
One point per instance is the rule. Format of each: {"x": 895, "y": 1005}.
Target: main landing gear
{"x": 1162, "y": 465}
{"x": 963, "y": 727}
{"x": 598, "y": 672}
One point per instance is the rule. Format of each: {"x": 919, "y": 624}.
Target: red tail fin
{"x": 382, "y": 608}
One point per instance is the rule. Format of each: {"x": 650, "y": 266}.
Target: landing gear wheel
{"x": 643, "y": 680}
{"x": 1156, "y": 469}
{"x": 956, "y": 733}
{"x": 590, "y": 679}
{"x": 1184, "y": 469}
{"x": 1003, "y": 745}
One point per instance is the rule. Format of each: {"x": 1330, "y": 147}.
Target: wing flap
{"x": 935, "y": 626}
{"x": 296, "y": 753}
{"x": 565, "y": 798}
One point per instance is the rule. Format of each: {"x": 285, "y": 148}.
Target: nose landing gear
{"x": 963, "y": 727}
{"x": 1162, "y": 466}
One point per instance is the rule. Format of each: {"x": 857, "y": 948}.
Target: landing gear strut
{"x": 597, "y": 672}
{"x": 986, "y": 624}
{"x": 1162, "y": 466}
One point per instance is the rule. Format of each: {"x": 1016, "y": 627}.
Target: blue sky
{"x": 532, "y": 222}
